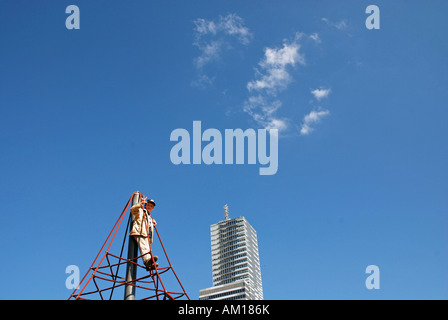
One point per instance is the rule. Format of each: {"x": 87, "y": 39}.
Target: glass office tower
{"x": 235, "y": 262}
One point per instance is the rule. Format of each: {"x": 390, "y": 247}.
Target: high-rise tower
{"x": 235, "y": 261}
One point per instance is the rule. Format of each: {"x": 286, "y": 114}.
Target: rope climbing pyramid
{"x": 112, "y": 276}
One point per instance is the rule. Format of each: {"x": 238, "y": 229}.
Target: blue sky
{"x": 86, "y": 118}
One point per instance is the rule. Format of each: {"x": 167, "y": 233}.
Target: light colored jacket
{"x": 141, "y": 222}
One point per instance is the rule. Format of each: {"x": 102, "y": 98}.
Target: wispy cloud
{"x": 341, "y": 25}
{"x": 233, "y": 25}
{"x": 262, "y": 110}
{"x": 312, "y": 118}
{"x": 272, "y": 76}
{"x": 315, "y": 37}
{"x": 210, "y": 36}
{"x": 203, "y": 27}
{"x": 209, "y": 51}
{"x": 203, "y": 81}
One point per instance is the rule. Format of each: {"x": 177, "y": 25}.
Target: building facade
{"x": 235, "y": 262}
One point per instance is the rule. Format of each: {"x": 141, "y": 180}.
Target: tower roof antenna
{"x": 226, "y": 212}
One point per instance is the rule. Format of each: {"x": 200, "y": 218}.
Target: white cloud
{"x": 321, "y": 93}
{"x": 275, "y": 123}
{"x": 274, "y": 79}
{"x": 274, "y": 75}
{"x": 281, "y": 57}
{"x": 312, "y": 118}
{"x": 315, "y": 116}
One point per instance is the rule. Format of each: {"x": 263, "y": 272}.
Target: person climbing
{"x": 143, "y": 231}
